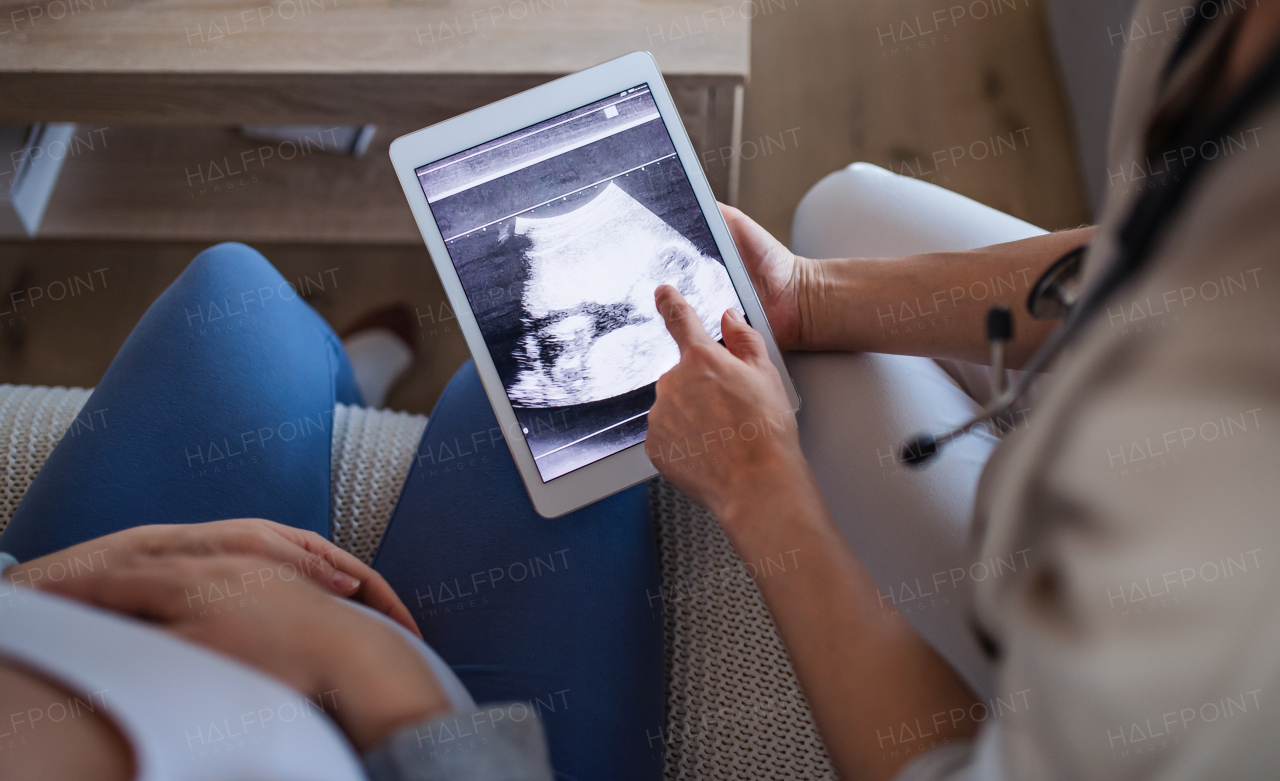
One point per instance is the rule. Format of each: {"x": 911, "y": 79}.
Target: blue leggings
{"x": 220, "y": 405}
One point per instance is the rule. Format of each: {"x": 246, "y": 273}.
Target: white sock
{"x": 378, "y": 358}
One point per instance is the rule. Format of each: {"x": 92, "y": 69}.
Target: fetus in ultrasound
{"x": 591, "y": 328}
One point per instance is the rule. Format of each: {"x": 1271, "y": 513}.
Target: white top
{"x": 188, "y": 713}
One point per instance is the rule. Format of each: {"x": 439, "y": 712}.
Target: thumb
{"x": 756, "y": 245}
{"x": 743, "y": 341}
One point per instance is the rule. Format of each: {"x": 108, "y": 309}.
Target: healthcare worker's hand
{"x": 314, "y": 557}
{"x": 361, "y": 671}
{"x": 722, "y": 428}
{"x": 783, "y": 280}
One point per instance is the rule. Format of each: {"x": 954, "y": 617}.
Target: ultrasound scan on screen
{"x": 560, "y": 233}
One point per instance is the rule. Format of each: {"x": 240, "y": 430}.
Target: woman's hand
{"x": 780, "y": 278}
{"x": 314, "y": 557}
{"x": 368, "y": 678}
{"x": 722, "y": 428}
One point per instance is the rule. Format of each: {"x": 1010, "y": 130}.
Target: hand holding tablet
{"x": 723, "y": 429}
{"x": 552, "y": 218}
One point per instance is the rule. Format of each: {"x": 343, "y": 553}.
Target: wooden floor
{"x": 972, "y": 104}
{"x": 899, "y": 84}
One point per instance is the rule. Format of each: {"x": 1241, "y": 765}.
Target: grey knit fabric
{"x": 32, "y": 420}
{"x": 370, "y": 458}
{"x": 734, "y": 707}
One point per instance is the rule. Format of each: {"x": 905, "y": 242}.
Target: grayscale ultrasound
{"x": 560, "y": 234}
{"x": 592, "y": 331}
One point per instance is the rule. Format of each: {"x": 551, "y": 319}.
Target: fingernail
{"x": 344, "y": 582}
{"x": 736, "y": 315}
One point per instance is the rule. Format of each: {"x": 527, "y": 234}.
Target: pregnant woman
{"x": 219, "y": 406}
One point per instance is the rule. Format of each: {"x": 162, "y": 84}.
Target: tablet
{"x": 551, "y": 217}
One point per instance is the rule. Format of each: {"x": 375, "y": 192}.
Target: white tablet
{"x": 552, "y": 216}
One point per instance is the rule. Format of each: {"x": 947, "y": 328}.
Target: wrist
{"x": 836, "y": 301}
{"x": 766, "y": 500}
{"x": 810, "y": 281}
{"x": 374, "y": 696}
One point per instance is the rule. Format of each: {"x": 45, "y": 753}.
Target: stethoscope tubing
{"x": 1136, "y": 238}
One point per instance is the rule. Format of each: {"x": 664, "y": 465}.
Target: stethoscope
{"x": 1060, "y": 291}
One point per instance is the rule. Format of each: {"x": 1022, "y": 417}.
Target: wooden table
{"x": 159, "y": 86}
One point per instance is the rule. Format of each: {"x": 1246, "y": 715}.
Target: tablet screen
{"x": 560, "y": 233}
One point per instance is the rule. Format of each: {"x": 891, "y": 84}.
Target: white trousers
{"x": 909, "y": 526}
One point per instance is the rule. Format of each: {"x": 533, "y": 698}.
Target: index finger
{"x": 374, "y": 589}
{"x": 159, "y": 589}
{"x": 682, "y": 321}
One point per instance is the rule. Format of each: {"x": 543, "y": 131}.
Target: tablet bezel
{"x": 627, "y": 467}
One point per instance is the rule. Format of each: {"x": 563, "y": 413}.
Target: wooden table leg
{"x": 712, "y": 114}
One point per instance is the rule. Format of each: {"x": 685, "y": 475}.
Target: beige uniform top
{"x": 1144, "y": 639}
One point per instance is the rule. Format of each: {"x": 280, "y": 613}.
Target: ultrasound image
{"x": 560, "y": 234}
{"x": 592, "y": 331}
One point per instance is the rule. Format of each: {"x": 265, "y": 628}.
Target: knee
{"x": 839, "y": 206}
{"x": 236, "y": 271}
{"x": 848, "y": 186}
{"x": 230, "y": 257}
{"x": 466, "y": 380}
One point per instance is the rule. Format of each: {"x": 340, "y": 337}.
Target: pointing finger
{"x": 682, "y": 321}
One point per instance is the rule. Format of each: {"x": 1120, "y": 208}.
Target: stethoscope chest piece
{"x": 1058, "y": 288}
